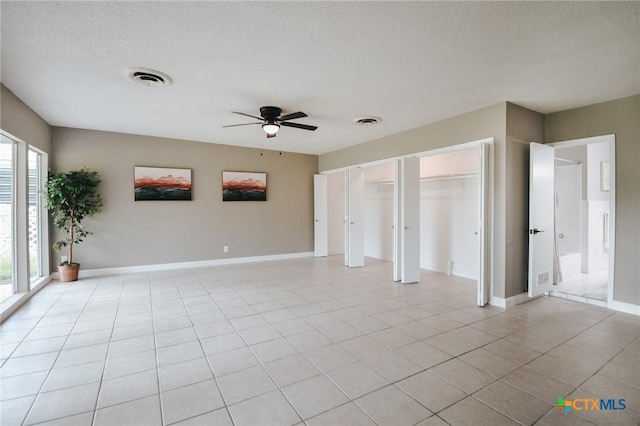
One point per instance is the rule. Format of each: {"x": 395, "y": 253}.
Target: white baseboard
{"x": 182, "y": 265}
{"x": 498, "y": 302}
{"x": 627, "y": 308}
{"x": 509, "y": 302}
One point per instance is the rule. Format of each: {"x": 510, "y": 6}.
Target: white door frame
{"x": 612, "y": 202}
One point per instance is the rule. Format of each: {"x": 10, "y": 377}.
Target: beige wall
{"x": 484, "y": 123}
{"x": 129, "y": 233}
{"x": 22, "y": 122}
{"x": 619, "y": 117}
{"x": 523, "y": 126}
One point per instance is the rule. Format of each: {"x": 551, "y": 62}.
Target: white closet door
{"x": 321, "y": 228}
{"x": 355, "y": 218}
{"x": 397, "y": 213}
{"x": 408, "y": 227}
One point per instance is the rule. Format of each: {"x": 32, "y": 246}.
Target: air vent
{"x": 149, "y": 77}
{"x": 367, "y": 121}
{"x": 543, "y": 278}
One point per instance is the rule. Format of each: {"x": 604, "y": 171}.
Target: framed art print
{"x": 244, "y": 186}
{"x": 160, "y": 183}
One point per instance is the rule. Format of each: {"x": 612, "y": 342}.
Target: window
{"x": 24, "y": 260}
{"x": 7, "y": 196}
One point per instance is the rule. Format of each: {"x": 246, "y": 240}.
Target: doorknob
{"x": 535, "y": 231}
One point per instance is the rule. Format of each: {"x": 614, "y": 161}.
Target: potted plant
{"x": 70, "y": 197}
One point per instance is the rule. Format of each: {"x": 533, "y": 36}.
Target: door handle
{"x": 535, "y": 231}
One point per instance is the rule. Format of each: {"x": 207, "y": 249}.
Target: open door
{"x": 354, "y": 235}
{"x": 541, "y": 218}
{"x": 321, "y": 228}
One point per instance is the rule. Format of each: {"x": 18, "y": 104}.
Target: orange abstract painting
{"x": 158, "y": 183}
{"x": 244, "y": 186}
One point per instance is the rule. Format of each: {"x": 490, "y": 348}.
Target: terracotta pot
{"x": 69, "y": 272}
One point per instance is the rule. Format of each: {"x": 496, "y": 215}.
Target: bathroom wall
{"x": 569, "y": 206}
{"x": 596, "y": 210}
{"x": 592, "y": 212}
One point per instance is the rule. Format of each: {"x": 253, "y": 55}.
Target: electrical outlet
{"x": 63, "y": 259}
{"x": 225, "y": 249}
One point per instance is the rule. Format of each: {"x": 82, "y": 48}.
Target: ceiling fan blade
{"x": 271, "y": 136}
{"x": 299, "y": 126}
{"x": 248, "y": 115}
{"x": 292, "y": 116}
{"x": 243, "y": 124}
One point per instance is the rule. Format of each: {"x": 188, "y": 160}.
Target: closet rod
{"x": 441, "y": 177}
{"x": 567, "y": 161}
{"x": 447, "y": 177}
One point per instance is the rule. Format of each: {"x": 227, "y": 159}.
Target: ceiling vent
{"x": 367, "y": 121}
{"x": 149, "y": 77}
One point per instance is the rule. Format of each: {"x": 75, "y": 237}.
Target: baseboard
{"x": 509, "y": 302}
{"x": 183, "y": 265}
{"x": 627, "y": 308}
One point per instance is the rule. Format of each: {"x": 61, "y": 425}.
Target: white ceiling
{"x": 410, "y": 63}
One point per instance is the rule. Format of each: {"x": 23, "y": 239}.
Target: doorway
{"x": 456, "y": 209}
{"x": 379, "y": 183}
{"x": 582, "y": 231}
{"x": 449, "y": 210}
{"x": 572, "y": 219}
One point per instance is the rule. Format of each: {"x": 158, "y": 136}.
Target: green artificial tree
{"x": 71, "y": 197}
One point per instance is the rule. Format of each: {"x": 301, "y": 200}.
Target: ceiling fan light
{"x": 271, "y": 128}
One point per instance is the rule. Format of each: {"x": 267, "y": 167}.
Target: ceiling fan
{"x": 271, "y": 120}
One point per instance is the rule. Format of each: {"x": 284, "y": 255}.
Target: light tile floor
{"x": 588, "y": 286}
{"x": 308, "y": 341}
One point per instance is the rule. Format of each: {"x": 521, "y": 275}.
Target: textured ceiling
{"x": 409, "y": 63}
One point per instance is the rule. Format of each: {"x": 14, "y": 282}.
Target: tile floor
{"x": 310, "y": 342}
{"x": 591, "y": 287}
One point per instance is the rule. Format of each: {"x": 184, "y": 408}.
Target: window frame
{"x": 23, "y": 286}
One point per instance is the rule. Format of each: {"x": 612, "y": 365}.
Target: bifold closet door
{"x": 407, "y": 221}
{"x": 320, "y": 227}
{"x": 354, "y": 223}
